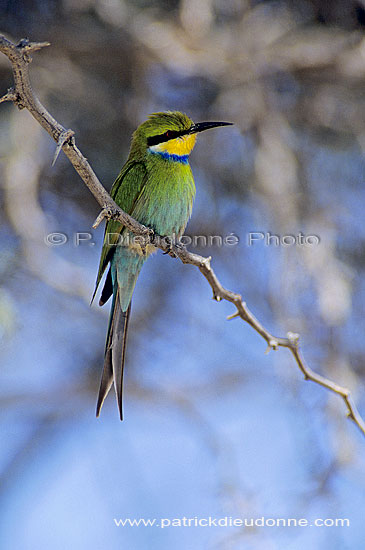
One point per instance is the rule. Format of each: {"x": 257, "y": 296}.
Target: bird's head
{"x": 170, "y": 132}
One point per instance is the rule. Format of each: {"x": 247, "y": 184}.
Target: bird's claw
{"x": 172, "y": 246}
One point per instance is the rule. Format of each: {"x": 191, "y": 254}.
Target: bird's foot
{"x": 173, "y": 247}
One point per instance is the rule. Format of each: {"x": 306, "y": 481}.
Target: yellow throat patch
{"x": 180, "y": 146}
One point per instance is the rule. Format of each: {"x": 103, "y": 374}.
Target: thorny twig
{"x": 22, "y": 96}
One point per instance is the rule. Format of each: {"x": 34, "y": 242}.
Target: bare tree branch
{"x": 22, "y": 96}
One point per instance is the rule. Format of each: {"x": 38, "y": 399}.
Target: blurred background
{"x": 213, "y": 426}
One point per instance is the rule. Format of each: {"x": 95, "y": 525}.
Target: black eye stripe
{"x": 166, "y": 136}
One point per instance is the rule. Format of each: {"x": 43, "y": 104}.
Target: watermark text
{"x": 269, "y": 239}
{"x": 229, "y": 521}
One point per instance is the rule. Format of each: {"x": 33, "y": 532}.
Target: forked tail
{"x": 114, "y": 354}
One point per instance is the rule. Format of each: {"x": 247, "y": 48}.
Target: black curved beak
{"x": 201, "y": 126}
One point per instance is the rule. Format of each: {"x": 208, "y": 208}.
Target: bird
{"x": 156, "y": 187}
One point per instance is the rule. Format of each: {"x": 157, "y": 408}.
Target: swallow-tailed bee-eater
{"x": 156, "y": 187}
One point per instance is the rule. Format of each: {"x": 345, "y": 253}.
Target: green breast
{"x": 166, "y": 200}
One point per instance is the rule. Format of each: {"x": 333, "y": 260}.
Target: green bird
{"x": 156, "y": 187}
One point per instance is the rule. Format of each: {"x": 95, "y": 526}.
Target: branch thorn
{"x": 9, "y": 96}
{"x": 272, "y": 344}
{"x": 27, "y": 46}
{"x": 233, "y": 316}
{"x": 64, "y": 137}
{"x": 103, "y": 214}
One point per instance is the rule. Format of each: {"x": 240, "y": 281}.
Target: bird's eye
{"x": 168, "y": 133}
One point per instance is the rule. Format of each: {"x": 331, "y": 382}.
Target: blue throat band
{"x": 167, "y": 156}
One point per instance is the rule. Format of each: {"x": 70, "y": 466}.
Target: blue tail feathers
{"x": 125, "y": 267}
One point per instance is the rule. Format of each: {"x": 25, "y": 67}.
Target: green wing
{"x": 125, "y": 192}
